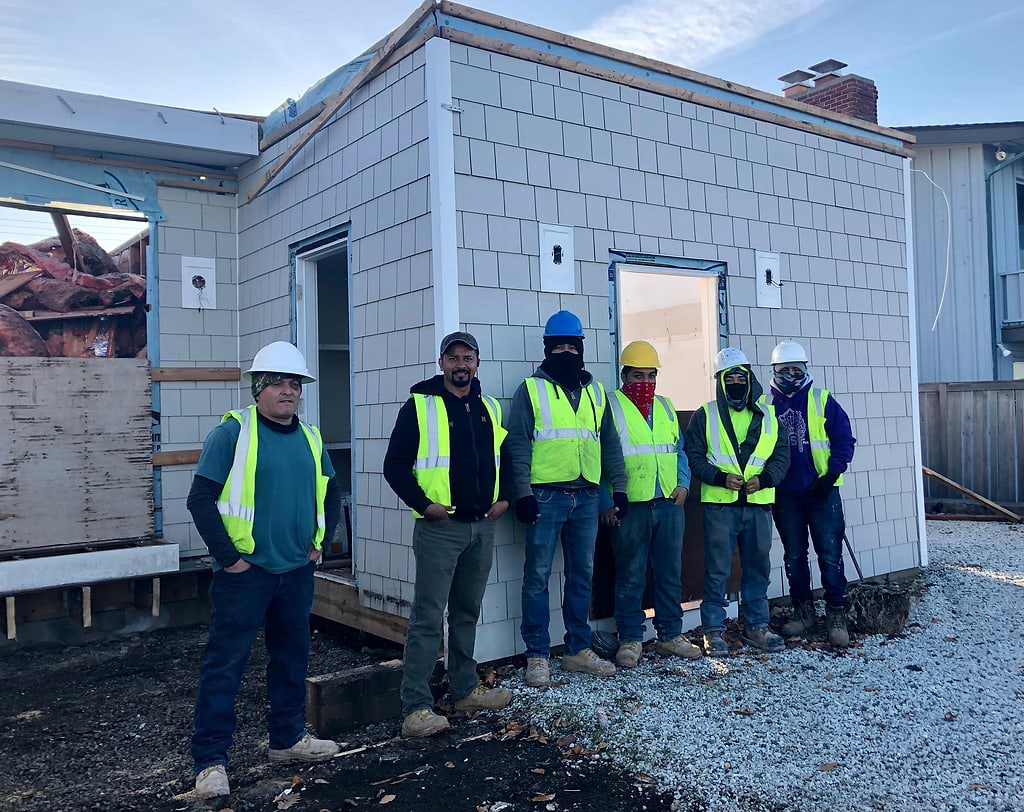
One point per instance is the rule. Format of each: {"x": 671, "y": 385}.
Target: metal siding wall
{"x": 960, "y": 348}
{"x": 1004, "y": 242}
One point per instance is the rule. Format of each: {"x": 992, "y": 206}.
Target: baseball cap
{"x": 459, "y": 338}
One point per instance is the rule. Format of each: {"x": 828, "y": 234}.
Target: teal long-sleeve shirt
{"x": 682, "y": 472}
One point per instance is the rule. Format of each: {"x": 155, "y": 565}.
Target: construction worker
{"x": 821, "y": 444}
{"x": 561, "y": 442}
{"x": 732, "y": 443}
{"x": 443, "y": 461}
{"x": 657, "y": 484}
{"x": 264, "y": 498}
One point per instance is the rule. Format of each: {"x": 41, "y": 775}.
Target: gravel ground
{"x": 928, "y": 721}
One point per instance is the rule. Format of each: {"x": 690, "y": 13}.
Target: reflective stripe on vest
{"x": 432, "y": 468}
{"x": 237, "y": 500}
{"x": 566, "y": 441}
{"x": 722, "y": 455}
{"x": 649, "y": 453}
{"x": 821, "y": 447}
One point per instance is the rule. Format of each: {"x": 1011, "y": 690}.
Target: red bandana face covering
{"x": 642, "y": 395}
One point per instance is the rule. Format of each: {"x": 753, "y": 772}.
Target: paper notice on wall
{"x": 557, "y": 259}
{"x": 199, "y": 283}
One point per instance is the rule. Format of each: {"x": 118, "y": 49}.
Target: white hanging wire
{"x": 949, "y": 244}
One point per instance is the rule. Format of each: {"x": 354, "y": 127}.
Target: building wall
{"x": 369, "y": 168}
{"x": 961, "y": 346}
{"x": 200, "y": 224}
{"x": 634, "y": 171}
{"x": 1006, "y": 261}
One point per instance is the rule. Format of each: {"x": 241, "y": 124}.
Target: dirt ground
{"x": 107, "y": 726}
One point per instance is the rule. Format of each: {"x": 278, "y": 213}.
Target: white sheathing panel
{"x": 30, "y": 574}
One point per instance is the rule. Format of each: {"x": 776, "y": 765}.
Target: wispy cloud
{"x": 692, "y": 32}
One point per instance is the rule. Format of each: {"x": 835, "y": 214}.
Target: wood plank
{"x": 81, "y": 313}
{"x": 1018, "y": 443}
{"x": 165, "y": 458}
{"x": 10, "y": 142}
{"x": 199, "y": 187}
{"x": 336, "y": 101}
{"x": 147, "y": 595}
{"x": 80, "y": 428}
{"x": 80, "y": 605}
{"x": 1009, "y": 514}
{"x": 1003, "y": 485}
{"x": 345, "y": 700}
{"x": 12, "y": 282}
{"x": 11, "y": 616}
{"x": 943, "y": 418}
{"x": 335, "y": 600}
{"x": 67, "y": 239}
{"x": 184, "y": 374}
{"x": 171, "y": 170}
{"x": 978, "y": 481}
{"x": 558, "y": 38}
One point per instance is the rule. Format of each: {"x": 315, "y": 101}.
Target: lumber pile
{"x": 88, "y": 304}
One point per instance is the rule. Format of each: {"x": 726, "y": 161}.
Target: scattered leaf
{"x": 483, "y": 808}
{"x": 952, "y": 638}
{"x": 449, "y": 764}
{"x": 828, "y": 766}
{"x": 499, "y": 806}
{"x": 981, "y": 786}
{"x": 872, "y": 690}
{"x": 913, "y": 667}
{"x": 319, "y": 781}
{"x": 387, "y": 799}
{"x": 743, "y": 712}
{"x": 643, "y": 778}
{"x": 950, "y": 716}
{"x": 542, "y": 798}
{"x": 488, "y": 680}
{"x": 538, "y": 770}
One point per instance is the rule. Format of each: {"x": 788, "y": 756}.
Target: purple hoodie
{"x": 792, "y": 415}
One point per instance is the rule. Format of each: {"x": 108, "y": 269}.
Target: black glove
{"x": 621, "y": 505}
{"x": 822, "y": 487}
{"x": 527, "y": 510}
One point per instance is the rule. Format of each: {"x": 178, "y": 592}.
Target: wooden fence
{"x": 973, "y": 433}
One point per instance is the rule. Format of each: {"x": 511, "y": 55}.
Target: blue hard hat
{"x": 564, "y": 323}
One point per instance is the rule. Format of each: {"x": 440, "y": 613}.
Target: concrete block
{"x": 542, "y": 134}
{"x": 620, "y": 216}
{"x": 653, "y": 220}
{"x": 538, "y": 168}
{"x": 698, "y": 165}
{"x": 568, "y": 105}
{"x": 564, "y": 173}
{"x": 632, "y": 185}
{"x": 480, "y": 195}
{"x": 504, "y": 234}
{"x": 716, "y": 200}
{"x": 502, "y": 125}
{"x": 625, "y": 151}
{"x": 516, "y": 94}
{"x": 482, "y": 158}
{"x": 577, "y": 141}
{"x": 475, "y": 84}
{"x": 513, "y": 271}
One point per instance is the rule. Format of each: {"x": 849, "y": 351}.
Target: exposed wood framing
{"x": 67, "y": 239}
{"x": 10, "y": 142}
{"x": 11, "y": 282}
{"x": 336, "y": 101}
{"x": 199, "y": 187}
{"x": 12, "y": 621}
{"x": 170, "y": 170}
{"x": 163, "y": 458}
{"x": 558, "y": 38}
{"x": 80, "y": 605}
{"x": 147, "y": 595}
{"x": 662, "y": 89}
{"x": 1008, "y": 514}
{"x": 83, "y": 313}
{"x": 337, "y": 599}
{"x": 185, "y": 374}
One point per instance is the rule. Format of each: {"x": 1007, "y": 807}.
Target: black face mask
{"x": 737, "y": 394}
{"x": 565, "y": 368}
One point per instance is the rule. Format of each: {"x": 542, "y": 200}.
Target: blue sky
{"x": 935, "y": 61}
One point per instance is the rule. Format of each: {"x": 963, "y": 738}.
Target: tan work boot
{"x": 803, "y": 620}
{"x": 586, "y": 662}
{"x": 678, "y": 646}
{"x": 538, "y": 672}
{"x": 212, "y": 782}
{"x": 423, "y": 722}
{"x": 838, "y": 634}
{"x": 629, "y": 654}
{"x": 484, "y": 698}
{"x": 308, "y": 748}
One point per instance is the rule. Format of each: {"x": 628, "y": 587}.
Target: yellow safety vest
{"x": 820, "y": 445}
{"x": 566, "y": 441}
{"x": 650, "y": 453}
{"x": 723, "y": 456}
{"x": 434, "y": 452}
{"x": 237, "y": 501}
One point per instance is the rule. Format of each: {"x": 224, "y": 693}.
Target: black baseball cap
{"x": 459, "y": 338}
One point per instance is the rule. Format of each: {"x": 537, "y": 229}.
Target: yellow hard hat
{"x": 639, "y": 354}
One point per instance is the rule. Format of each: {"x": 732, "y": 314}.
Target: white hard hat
{"x": 788, "y": 352}
{"x": 728, "y": 358}
{"x": 282, "y": 358}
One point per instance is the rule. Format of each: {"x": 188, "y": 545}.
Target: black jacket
{"x": 697, "y": 443}
{"x": 472, "y": 452}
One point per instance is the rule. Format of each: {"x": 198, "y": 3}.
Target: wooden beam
{"x": 198, "y": 187}
{"x": 12, "y": 618}
{"x": 558, "y": 38}
{"x": 180, "y": 374}
{"x": 335, "y": 102}
{"x": 81, "y": 313}
{"x": 67, "y": 239}
{"x": 164, "y": 458}
{"x": 338, "y": 601}
{"x": 10, "y": 142}
{"x": 1009, "y": 514}
{"x": 147, "y": 595}
{"x": 11, "y": 282}
{"x": 170, "y": 170}
{"x": 80, "y": 605}
{"x": 345, "y": 700}
{"x": 662, "y": 89}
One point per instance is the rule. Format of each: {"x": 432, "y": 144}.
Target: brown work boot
{"x": 586, "y": 662}
{"x": 538, "y": 672}
{"x": 838, "y": 634}
{"x": 423, "y": 722}
{"x": 629, "y": 654}
{"x": 484, "y": 698}
{"x": 803, "y": 620}
{"x": 764, "y": 639}
{"x": 678, "y": 646}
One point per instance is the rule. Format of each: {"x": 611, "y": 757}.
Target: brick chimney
{"x": 849, "y": 94}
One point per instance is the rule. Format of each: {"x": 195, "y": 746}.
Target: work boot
{"x": 586, "y": 662}
{"x": 714, "y": 645}
{"x": 212, "y": 782}
{"x": 763, "y": 639}
{"x": 423, "y": 722}
{"x": 804, "y": 619}
{"x": 678, "y": 646}
{"x": 629, "y": 654}
{"x": 484, "y": 698}
{"x": 307, "y": 748}
{"x": 538, "y": 672}
{"x": 838, "y": 634}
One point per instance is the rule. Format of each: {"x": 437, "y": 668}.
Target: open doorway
{"x": 322, "y": 309}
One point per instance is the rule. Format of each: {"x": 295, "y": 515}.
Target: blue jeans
{"x": 795, "y": 515}
{"x": 240, "y": 605}
{"x": 725, "y": 527}
{"x": 569, "y": 516}
{"x": 651, "y": 532}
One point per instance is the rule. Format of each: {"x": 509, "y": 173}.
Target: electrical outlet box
{"x": 557, "y": 259}
{"x": 768, "y": 280}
